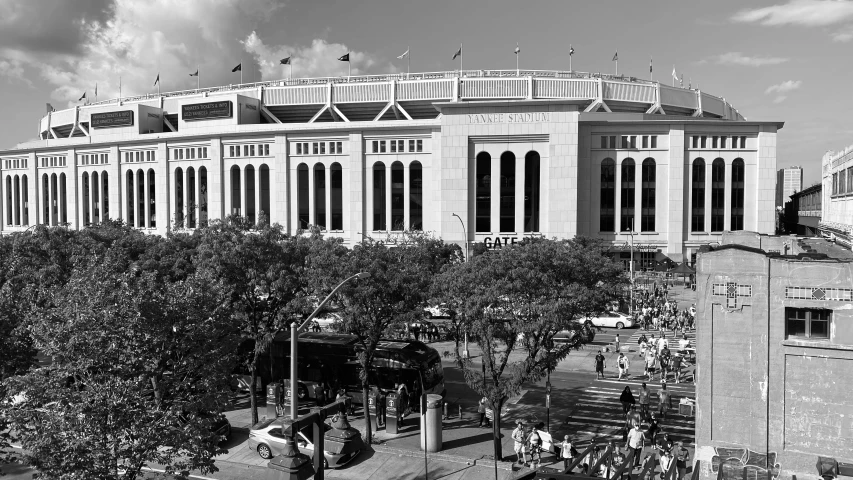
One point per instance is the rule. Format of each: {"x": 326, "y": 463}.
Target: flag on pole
{"x": 517, "y": 49}
{"x": 344, "y": 57}
{"x": 50, "y": 108}
{"x": 458, "y": 53}
{"x": 238, "y": 68}
{"x": 285, "y": 61}
{"x": 157, "y": 80}
{"x": 404, "y": 55}
{"x": 194, "y": 74}
{"x": 650, "y": 65}
{"x": 571, "y": 50}
{"x": 674, "y": 73}
{"x": 82, "y": 98}
{"x": 615, "y": 57}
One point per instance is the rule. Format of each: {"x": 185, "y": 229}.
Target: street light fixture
{"x": 465, "y": 353}
{"x": 294, "y": 344}
{"x": 631, "y": 233}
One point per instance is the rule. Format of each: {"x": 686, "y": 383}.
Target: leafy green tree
{"x": 516, "y": 300}
{"x": 395, "y": 293}
{"x": 136, "y": 364}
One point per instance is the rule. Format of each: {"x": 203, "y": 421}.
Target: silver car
{"x": 266, "y": 438}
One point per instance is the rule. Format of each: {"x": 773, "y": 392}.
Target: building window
{"x": 398, "y": 198}
{"x": 416, "y": 196}
{"x": 191, "y": 201}
{"x": 531, "y": 192}
{"x": 332, "y": 148}
{"x": 694, "y": 142}
{"x": 302, "y": 193}
{"x": 624, "y": 142}
{"x": 654, "y": 139}
{"x": 299, "y": 149}
{"x": 419, "y": 145}
{"x": 742, "y": 142}
{"x": 612, "y": 141}
{"x": 248, "y": 185}
{"x": 382, "y": 146}
{"x": 337, "y": 197}
{"x": 393, "y": 146}
{"x": 718, "y": 189}
{"x": 179, "y": 195}
{"x": 379, "y": 218}
{"x": 723, "y": 142}
{"x": 738, "y": 173}
{"x": 603, "y": 141}
{"x": 483, "y": 192}
{"x": 608, "y": 196}
{"x": 411, "y": 145}
{"x": 850, "y": 179}
{"x": 627, "y": 187}
{"x": 714, "y": 141}
{"x": 236, "y": 201}
{"x": 647, "y": 196}
{"x": 152, "y": 197}
{"x": 507, "y": 192}
{"x": 633, "y": 141}
{"x": 375, "y": 146}
{"x": 703, "y": 141}
{"x": 320, "y": 196}
{"x": 645, "y": 141}
{"x": 697, "y": 214}
{"x": 322, "y": 148}
{"x": 807, "y": 323}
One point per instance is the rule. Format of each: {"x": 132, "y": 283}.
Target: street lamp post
{"x": 465, "y": 353}
{"x": 631, "y": 233}
{"x": 294, "y": 344}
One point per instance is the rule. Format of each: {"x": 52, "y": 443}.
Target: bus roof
{"x": 415, "y": 350}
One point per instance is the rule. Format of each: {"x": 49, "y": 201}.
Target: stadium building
{"x": 511, "y": 154}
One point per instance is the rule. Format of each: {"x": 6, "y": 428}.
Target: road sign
{"x": 548, "y": 400}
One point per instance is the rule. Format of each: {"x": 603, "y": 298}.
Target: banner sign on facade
{"x": 123, "y": 118}
{"x": 207, "y": 111}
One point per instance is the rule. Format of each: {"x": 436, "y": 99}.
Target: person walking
{"x": 599, "y": 365}
{"x": 676, "y": 367}
{"x": 665, "y": 357}
{"x": 616, "y": 343}
{"x": 642, "y": 342}
{"x": 682, "y": 456}
{"x": 534, "y": 446}
{"x": 644, "y": 401}
{"x": 481, "y": 409}
{"x": 627, "y": 399}
{"x": 634, "y": 444}
{"x": 651, "y": 361}
{"x": 623, "y": 364}
{"x": 664, "y": 401}
{"x": 652, "y": 431}
{"x": 666, "y": 464}
{"x": 518, "y": 438}
{"x": 634, "y": 417}
{"x": 380, "y": 409}
{"x": 567, "y": 453}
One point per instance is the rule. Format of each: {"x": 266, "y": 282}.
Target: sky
{"x": 773, "y": 60}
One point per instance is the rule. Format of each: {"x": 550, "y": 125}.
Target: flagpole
{"x": 651, "y": 71}
{"x": 570, "y": 58}
{"x": 673, "y": 77}
{"x": 197, "y": 77}
{"x": 119, "y": 86}
{"x": 460, "y": 58}
{"x": 408, "y": 61}
{"x": 349, "y": 67}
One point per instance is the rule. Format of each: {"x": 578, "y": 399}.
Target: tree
{"x": 262, "y": 267}
{"x": 395, "y": 293}
{"x": 136, "y": 363}
{"x": 517, "y": 299}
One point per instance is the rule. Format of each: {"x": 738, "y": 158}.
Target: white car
{"x": 612, "y": 319}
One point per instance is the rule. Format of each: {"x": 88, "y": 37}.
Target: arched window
{"x": 191, "y": 201}
{"x": 84, "y": 194}
{"x": 697, "y": 196}
{"x": 179, "y": 194}
{"x": 320, "y": 196}
{"x": 45, "y": 200}
{"x": 738, "y": 174}
{"x": 264, "y": 172}
{"x": 507, "y": 189}
{"x": 531, "y": 191}
{"x": 63, "y": 200}
{"x": 25, "y": 194}
{"x": 379, "y": 220}
{"x": 607, "y": 215}
{"x": 249, "y": 179}
{"x": 718, "y": 192}
{"x": 483, "y": 191}
{"x": 416, "y": 196}
{"x": 235, "y": 191}
{"x": 398, "y": 198}
{"x": 647, "y": 196}
{"x": 628, "y": 186}
{"x": 152, "y": 199}
{"x": 17, "y": 199}
{"x": 337, "y": 184}
{"x": 96, "y": 197}
{"x": 105, "y": 196}
{"x": 302, "y": 196}
{"x": 8, "y": 200}
{"x": 202, "y": 198}
{"x": 140, "y": 199}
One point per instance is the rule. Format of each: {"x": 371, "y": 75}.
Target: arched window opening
{"x": 140, "y": 199}
{"x": 264, "y": 172}
{"x": 629, "y": 181}
{"x": 738, "y": 175}
{"x": 179, "y": 197}
{"x": 398, "y": 199}
{"x": 249, "y": 179}
{"x": 483, "y": 191}
{"x": 57, "y": 200}
{"x": 647, "y": 196}
{"x": 191, "y": 200}
{"x": 96, "y": 197}
{"x": 607, "y": 217}
{"x": 17, "y": 200}
{"x": 302, "y": 196}
{"x": 697, "y": 213}
{"x": 63, "y": 200}
{"x": 718, "y": 192}
{"x": 531, "y": 191}
{"x": 337, "y": 197}
{"x": 507, "y": 189}
{"x": 152, "y": 199}
{"x": 379, "y": 220}
{"x": 25, "y": 194}
{"x": 416, "y": 196}
{"x": 84, "y": 184}
{"x": 45, "y": 200}
{"x": 320, "y": 196}
{"x": 235, "y": 191}
{"x": 8, "y": 200}
{"x": 105, "y": 196}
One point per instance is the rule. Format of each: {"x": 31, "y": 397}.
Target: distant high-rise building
{"x": 788, "y": 180}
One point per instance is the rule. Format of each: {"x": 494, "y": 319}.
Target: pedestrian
{"x": 664, "y": 401}
{"x": 633, "y": 418}
{"x": 634, "y": 444}
{"x": 682, "y": 456}
{"x": 665, "y": 358}
{"x": 380, "y": 408}
{"x": 403, "y": 395}
{"x": 666, "y": 464}
{"x": 665, "y": 444}
{"x": 644, "y": 401}
{"x": 599, "y": 365}
{"x": 481, "y": 409}
{"x": 676, "y": 368}
{"x": 567, "y": 453}
{"x": 651, "y": 361}
{"x": 518, "y": 443}
{"x": 534, "y": 446}
{"x": 622, "y": 363}
{"x": 627, "y": 399}
{"x": 616, "y": 342}
{"x": 642, "y": 342}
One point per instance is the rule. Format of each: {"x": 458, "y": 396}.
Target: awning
{"x": 683, "y": 269}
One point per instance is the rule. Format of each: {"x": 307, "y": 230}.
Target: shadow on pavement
{"x": 362, "y": 457}
{"x": 465, "y": 441}
{"x": 237, "y": 438}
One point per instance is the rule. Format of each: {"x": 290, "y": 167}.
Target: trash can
{"x": 431, "y": 423}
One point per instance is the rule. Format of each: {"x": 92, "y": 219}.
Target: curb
{"x": 481, "y": 462}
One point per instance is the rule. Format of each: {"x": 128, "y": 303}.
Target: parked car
{"x": 613, "y": 319}
{"x": 585, "y": 334}
{"x": 266, "y": 438}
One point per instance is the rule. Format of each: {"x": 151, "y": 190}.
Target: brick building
{"x": 775, "y": 364}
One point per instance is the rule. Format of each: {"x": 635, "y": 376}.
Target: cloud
{"x": 844, "y": 35}
{"x": 780, "y": 99}
{"x": 320, "y": 59}
{"x": 809, "y": 13}
{"x": 737, "y": 58}
{"x": 784, "y": 87}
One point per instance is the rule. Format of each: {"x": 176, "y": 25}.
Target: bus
{"x": 329, "y": 360}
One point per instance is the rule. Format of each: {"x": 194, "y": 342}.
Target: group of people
{"x": 658, "y": 358}
{"x": 653, "y": 309}
{"x": 425, "y": 332}
{"x": 527, "y": 440}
